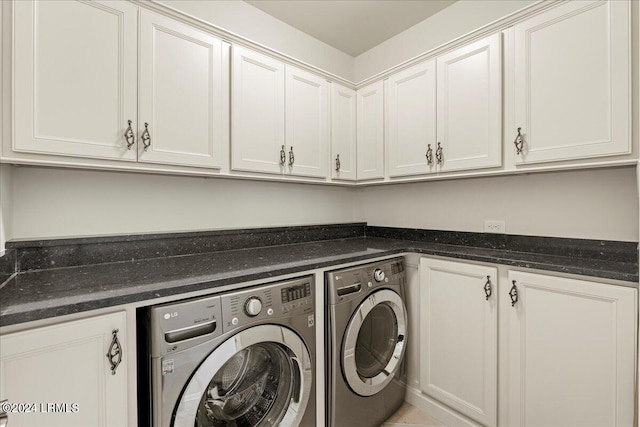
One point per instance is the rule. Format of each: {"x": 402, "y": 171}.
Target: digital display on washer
{"x": 293, "y": 293}
{"x": 397, "y": 267}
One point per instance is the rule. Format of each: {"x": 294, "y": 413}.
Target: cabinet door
{"x": 343, "y": 133}
{"x": 66, "y": 364}
{"x": 257, "y": 112}
{"x": 470, "y": 106}
{"x": 181, "y": 101}
{"x": 411, "y": 120}
{"x": 370, "y": 133}
{"x": 458, "y": 337}
{"x": 569, "y": 352}
{"x": 572, "y": 82}
{"x": 307, "y": 123}
{"x": 75, "y": 71}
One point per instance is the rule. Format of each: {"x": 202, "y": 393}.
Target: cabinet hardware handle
{"x": 4, "y": 416}
{"x": 439, "y": 154}
{"x": 519, "y": 142}
{"x": 337, "y": 162}
{"x": 129, "y": 136}
{"x": 146, "y": 137}
{"x": 114, "y": 355}
{"x": 487, "y": 288}
{"x": 291, "y": 157}
{"x": 513, "y": 293}
{"x": 283, "y": 156}
{"x": 429, "y": 155}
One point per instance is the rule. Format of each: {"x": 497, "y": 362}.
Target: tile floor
{"x": 410, "y": 416}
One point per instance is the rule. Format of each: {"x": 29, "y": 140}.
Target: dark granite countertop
{"x": 45, "y": 293}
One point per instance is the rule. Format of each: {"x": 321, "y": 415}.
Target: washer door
{"x": 374, "y": 342}
{"x": 259, "y": 377}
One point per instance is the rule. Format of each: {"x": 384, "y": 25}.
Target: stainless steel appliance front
{"x": 366, "y": 339}
{"x": 244, "y": 358}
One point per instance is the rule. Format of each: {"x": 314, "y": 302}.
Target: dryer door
{"x": 259, "y": 377}
{"x": 374, "y": 342}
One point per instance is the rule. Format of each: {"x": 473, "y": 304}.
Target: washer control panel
{"x": 345, "y": 285}
{"x": 283, "y": 299}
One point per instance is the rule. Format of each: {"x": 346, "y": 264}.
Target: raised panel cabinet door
{"x": 470, "y": 106}
{"x": 411, "y": 120}
{"x": 370, "y": 131}
{"x": 569, "y": 353}
{"x": 181, "y": 104}
{"x": 572, "y": 82}
{"x": 75, "y": 78}
{"x": 459, "y": 337}
{"x": 343, "y": 133}
{"x": 307, "y": 123}
{"x": 63, "y": 370}
{"x": 257, "y": 112}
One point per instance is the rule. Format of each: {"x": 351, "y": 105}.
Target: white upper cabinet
{"x": 568, "y": 352}
{"x": 572, "y": 82}
{"x": 470, "y": 106}
{"x": 343, "y": 133}
{"x": 411, "y": 120}
{"x": 75, "y": 78}
{"x": 370, "y": 131}
{"x": 182, "y": 108}
{"x": 307, "y": 123}
{"x": 257, "y": 112}
{"x": 459, "y": 337}
{"x": 272, "y": 132}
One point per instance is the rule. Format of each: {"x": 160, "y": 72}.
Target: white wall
{"x": 51, "y": 202}
{"x": 6, "y": 211}
{"x": 456, "y": 20}
{"x": 250, "y": 22}
{"x": 590, "y": 204}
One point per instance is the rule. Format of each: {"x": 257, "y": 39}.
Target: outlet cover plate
{"x": 494, "y": 227}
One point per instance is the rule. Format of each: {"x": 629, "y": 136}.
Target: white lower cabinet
{"x": 459, "y": 337}
{"x": 569, "y": 352}
{"x": 62, "y": 375}
{"x": 565, "y": 354}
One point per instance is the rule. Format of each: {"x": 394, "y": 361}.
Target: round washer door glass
{"x": 260, "y": 377}
{"x": 374, "y": 343}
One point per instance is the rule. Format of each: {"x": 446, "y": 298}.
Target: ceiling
{"x": 352, "y": 26}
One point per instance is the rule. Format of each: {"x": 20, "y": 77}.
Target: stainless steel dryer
{"x": 366, "y": 334}
{"x": 237, "y": 359}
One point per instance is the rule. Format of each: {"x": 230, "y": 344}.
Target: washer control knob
{"x": 235, "y": 321}
{"x": 253, "y": 306}
{"x": 378, "y": 275}
{"x": 270, "y": 311}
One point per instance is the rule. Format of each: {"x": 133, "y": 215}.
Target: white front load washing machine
{"x": 238, "y": 359}
{"x": 366, "y": 338}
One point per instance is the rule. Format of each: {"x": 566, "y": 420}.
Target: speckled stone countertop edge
{"x": 22, "y": 310}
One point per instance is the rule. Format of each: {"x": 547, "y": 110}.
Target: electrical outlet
{"x": 494, "y": 227}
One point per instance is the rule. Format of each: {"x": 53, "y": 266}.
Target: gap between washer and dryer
{"x": 410, "y": 416}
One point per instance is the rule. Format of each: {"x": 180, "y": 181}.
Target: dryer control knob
{"x": 378, "y": 275}
{"x": 253, "y": 306}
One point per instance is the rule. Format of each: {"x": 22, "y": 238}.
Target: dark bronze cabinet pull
{"x": 429, "y": 155}
{"x": 487, "y": 288}
{"x": 337, "y": 162}
{"x": 519, "y": 142}
{"x": 146, "y": 137}
{"x": 513, "y": 293}
{"x": 129, "y": 136}
{"x": 439, "y": 154}
{"x": 114, "y": 355}
{"x": 283, "y": 156}
{"x": 291, "y": 157}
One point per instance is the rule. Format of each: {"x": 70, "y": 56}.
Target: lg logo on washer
{"x": 168, "y": 316}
